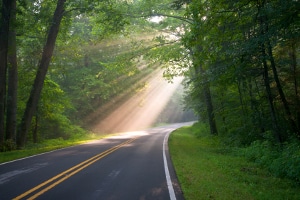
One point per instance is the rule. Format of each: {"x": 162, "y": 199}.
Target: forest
{"x": 59, "y": 60}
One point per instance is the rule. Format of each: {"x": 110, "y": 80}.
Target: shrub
{"x": 281, "y": 160}
{"x": 8, "y": 145}
{"x": 200, "y": 129}
{"x": 287, "y": 164}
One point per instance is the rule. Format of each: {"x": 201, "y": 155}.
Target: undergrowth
{"x": 281, "y": 160}
{"x": 207, "y": 169}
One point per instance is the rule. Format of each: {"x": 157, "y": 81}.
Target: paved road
{"x": 132, "y": 166}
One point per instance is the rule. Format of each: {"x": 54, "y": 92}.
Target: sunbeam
{"x": 142, "y": 109}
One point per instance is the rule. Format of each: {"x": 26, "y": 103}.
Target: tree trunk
{"x": 35, "y": 130}
{"x": 262, "y": 34}
{"x": 4, "y": 29}
{"x": 275, "y": 126}
{"x": 242, "y": 102}
{"x": 256, "y": 111}
{"x": 208, "y": 102}
{"x": 280, "y": 91}
{"x": 210, "y": 110}
{"x": 293, "y": 57}
{"x": 11, "y": 115}
{"x": 265, "y": 26}
{"x": 41, "y": 74}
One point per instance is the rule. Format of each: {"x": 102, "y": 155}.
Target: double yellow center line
{"x": 49, "y": 184}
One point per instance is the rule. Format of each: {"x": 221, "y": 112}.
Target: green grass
{"x": 208, "y": 170}
{"x": 48, "y": 145}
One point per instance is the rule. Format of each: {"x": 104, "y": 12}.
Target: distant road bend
{"x": 133, "y": 165}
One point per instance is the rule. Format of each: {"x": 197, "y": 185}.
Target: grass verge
{"x": 48, "y": 145}
{"x": 208, "y": 170}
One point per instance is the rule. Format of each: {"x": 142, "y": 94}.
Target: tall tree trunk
{"x": 206, "y": 91}
{"x": 4, "y": 29}
{"x": 275, "y": 126}
{"x": 280, "y": 91}
{"x": 35, "y": 130}
{"x": 293, "y": 57}
{"x": 41, "y": 74}
{"x": 285, "y": 104}
{"x": 244, "y": 112}
{"x": 208, "y": 101}
{"x": 11, "y": 115}
{"x": 256, "y": 112}
{"x": 262, "y": 34}
{"x": 210, "y": 110}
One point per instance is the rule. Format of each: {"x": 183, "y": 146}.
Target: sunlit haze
{"x": 142, "y": 109}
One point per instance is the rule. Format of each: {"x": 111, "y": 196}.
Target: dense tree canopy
{"x": 83, "y": 52}
{"x": 235, "y": 44}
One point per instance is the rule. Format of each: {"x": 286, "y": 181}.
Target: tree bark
{"x": 271, "y": 104}
{"x": 265, "y": 29}
{"x": 209, "y": 104}
{"x": 11, "y": 115}
{"x": 275, "y": 127}
{"x": 280, "y": 91}
{"x": 41, "y": 74}
{"x": 4, "y": 29}
{"x": 35, "y": 130}
{"x": 210, "y": 110}
{"x": 293, "y": 57}
{"x": 262, "y": 33}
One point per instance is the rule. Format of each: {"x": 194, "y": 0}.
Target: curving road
{"x": 131, "y": 166}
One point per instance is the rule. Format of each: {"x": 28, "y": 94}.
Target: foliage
{"x": 207, "y": 169}
{"x": 78, "y": 75}
{"x": 8, "y": 145}
{"x": 232, "y": 47}
{"x": 283, "y": 161}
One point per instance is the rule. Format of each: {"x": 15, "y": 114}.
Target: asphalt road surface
{"x": 131, "y": 166}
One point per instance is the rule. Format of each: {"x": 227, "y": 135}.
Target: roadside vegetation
{"x": 31, "y": 148}
{"x": 209, "y": 169}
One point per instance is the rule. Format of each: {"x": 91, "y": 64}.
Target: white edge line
{"x": 24, "y": 158}
{"x": 168, "y": 177}
{"x": 59, "y": 149}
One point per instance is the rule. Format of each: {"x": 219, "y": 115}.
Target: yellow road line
{"x": 70, "y": 172}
